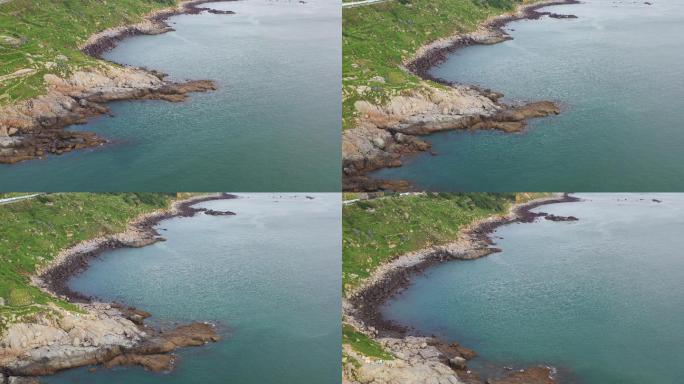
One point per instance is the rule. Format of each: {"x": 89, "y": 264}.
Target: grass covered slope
{"x": 364, "y": 344}
{"x": 378, "y": 230}
{"x": 33, "y": 232}
{"x": 379, "y": 38}
{"x": 38, "y": 37}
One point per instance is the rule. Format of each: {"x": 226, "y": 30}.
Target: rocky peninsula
{"x": 383, "y": 134}
{"x": 422, "y": 358}
{"x": 33, "y": 128}
{"x": 109, "y": 334}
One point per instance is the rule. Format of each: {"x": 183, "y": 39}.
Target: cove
{"x": 269, "y": 277}
{"x": 600, "y": 299}
{"x": 616, "y": 72}
{"x": 272, "y": 125}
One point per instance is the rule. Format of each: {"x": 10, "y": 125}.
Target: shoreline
{"x": 490, "y": 32}
{"x": 108, "y": 334}
{"x": 32, "y": 129}
{"x": 152, "y": 24}
{"x": 53, "y": 278}
{"x": 361, "y": 305}
{"x": 384, "y": 135}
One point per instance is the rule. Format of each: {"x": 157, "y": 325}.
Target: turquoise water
{"x": 273, "y": 125}
{"x": 601, "y": 299}
{"x": 616, "y": 71}
{"x": 269, "y": 277}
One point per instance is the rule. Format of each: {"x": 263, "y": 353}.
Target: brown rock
{"x": 534, "y": 375}
{"x": 155, "y": 363}
{"x": 368, "y": 184}
{"x": 466, "y": 353}
{"x": 195, "y": 334}
{"x": 39, "y": 123}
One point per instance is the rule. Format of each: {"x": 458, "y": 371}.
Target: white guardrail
{"x": 11, "y": 200}
{"x": 361, "y": 2}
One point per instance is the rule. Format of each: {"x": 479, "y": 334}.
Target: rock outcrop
{"x": 154, "y": 363}
{"x": 417, "y": 358}
{"x": 416, "y": 361}
{"x": 101, "y": 334}
{"x": 34, "y": 128}
{"x": 383, "y": 134}
{"x": 61, "y": 339}
{"x": 55, "y": 339}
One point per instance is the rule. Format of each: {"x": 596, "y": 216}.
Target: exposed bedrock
{"x": 423, "y": 358}
{"x": 34, "y": 128}
{"x": 385, "y": 133}
{"x": 55, "y": 339}
{"x": 102, "y": 334}
{"x": 432, "y": 108}
{"x": 419, "y": 360}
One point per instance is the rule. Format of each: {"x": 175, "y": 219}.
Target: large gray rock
{"x": 458, "y": 363}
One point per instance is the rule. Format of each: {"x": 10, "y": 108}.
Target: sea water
{"x": 601, "y": 299}
{"x": 269, "y": 278}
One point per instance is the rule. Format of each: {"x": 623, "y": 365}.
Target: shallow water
{"x": 273, "y": 124}
{"x": 616, "y": 71}
{"x": 269, "y": 277}
{"x": 600, "y": 298}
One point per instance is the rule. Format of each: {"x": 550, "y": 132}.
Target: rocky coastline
{"x": 34, "y": 128}
{"x": 424, "y": 358}
{"x": 108, "y": 334}
{"x": 489, "y": 33}
{"x": 153, "y": 24}
{"x": 383, "y": 135}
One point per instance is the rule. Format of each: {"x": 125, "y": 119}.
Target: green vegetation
{"x": 375, "y": 231}
{"x": 363, "y": 344}
{"x": 33, "y": 232}
{"x": 38, "y": 37}
{"x": 378, "y": 38}
{"x": 349, "y": 195}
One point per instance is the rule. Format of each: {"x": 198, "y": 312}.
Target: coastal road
{"x": 17, "y": 199}
{"x": 361, "y": 3}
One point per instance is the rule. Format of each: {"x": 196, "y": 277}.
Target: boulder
{"x": 154, "y": 363}
{"x": 458, "y": 363}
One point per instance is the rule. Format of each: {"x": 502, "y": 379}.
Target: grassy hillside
{"x": 34, "y": 231}
{"x": 378, "y": 38}
{"x": 42, "y": 36}
{"x": 376, "y": 231}
{"x": 364, "y": 344}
